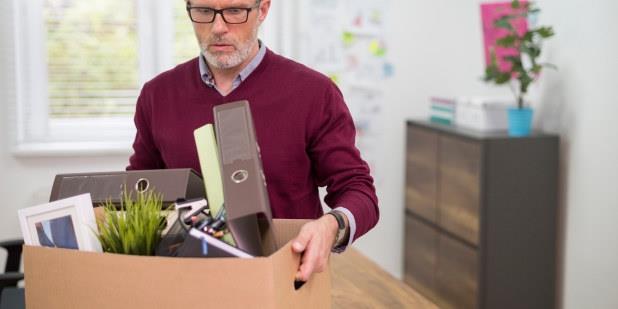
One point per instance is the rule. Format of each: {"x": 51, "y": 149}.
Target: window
{"x": 185, "y": 43}
{"x": 91, "y": 58}
{"x": 81, "y": 65}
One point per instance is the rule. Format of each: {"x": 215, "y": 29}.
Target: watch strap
{"x": 340, "y": 227}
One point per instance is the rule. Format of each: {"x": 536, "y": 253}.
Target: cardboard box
{"x": 483, "y": 114}
{"x": 61, "y": 278}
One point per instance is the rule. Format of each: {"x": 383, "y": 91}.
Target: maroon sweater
{"x": 304, "y": 129}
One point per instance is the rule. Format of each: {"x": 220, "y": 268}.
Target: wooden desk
{"x": 360, "y": 283}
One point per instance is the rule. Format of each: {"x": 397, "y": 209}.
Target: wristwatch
{"x": 340, "y": 229}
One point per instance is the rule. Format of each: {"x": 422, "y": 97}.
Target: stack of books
{"x": 442, "y": 110}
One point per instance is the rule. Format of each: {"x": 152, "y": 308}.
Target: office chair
{"x": 11, "y": 296}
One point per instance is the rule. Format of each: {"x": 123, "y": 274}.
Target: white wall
{"x": 436, "y": 48}
{"x": 580, "y": 101}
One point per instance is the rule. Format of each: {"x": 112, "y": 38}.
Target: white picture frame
{"x": 68, "y": 223}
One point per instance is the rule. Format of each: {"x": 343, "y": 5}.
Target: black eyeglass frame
{"x": 220, "y": 12}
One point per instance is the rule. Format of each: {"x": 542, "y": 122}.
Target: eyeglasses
{"x": 206, "y": 15}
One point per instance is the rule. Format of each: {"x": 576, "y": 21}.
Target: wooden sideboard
{"x": 480, "y": 217}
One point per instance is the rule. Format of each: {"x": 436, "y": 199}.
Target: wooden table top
{"x": 360, "y": 283}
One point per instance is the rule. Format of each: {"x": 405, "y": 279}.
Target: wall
{"x": 580, "y": 103}
{"x": 436, "y": 47}
{"x": 436, "y": 50}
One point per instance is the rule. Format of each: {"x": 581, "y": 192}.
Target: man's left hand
{"x": 314, "y": 242}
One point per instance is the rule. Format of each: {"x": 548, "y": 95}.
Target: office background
{"x": 436, "y": 49}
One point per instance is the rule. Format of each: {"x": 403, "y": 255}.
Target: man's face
{"x": 226, "y": 45}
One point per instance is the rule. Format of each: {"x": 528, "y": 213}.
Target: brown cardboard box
{"x": 60, "y": 278}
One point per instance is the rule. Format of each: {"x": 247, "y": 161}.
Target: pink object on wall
{"x": 489, "y": 13}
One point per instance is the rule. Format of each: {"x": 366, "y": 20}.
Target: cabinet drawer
{"x": 421, "y": 248}
{"x": 456, "y": 274}
{"x": 421, "y": 173}
{"x": 459, "y": 183}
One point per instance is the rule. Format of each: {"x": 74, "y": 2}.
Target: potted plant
{"x": 522, "y": 66}
{"x": 136, "y": 227}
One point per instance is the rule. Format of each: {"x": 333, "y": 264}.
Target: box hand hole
{"x": 298, "y": 284}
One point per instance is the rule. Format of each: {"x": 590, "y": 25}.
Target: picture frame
{"x": 68, "y": 223}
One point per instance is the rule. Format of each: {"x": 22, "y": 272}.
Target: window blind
{"x": 83, "y": 64}
{"x": 185, "y": 43}
{"x": 92, "y": 64}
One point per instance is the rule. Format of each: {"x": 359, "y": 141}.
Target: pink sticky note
{"x": 489, "y": 13}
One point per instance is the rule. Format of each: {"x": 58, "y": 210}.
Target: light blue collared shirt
{"x": 209, "y": 80}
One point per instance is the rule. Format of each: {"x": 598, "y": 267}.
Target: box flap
{"x": 287, "y": 229}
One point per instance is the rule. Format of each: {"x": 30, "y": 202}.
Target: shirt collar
{"x": 209, "y": 80}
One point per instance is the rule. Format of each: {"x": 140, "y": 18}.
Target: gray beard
{"x": 235, "y": 58}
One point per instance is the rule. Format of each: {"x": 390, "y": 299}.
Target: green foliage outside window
{"x": 92, "y": 55}
{"x": 185, "y": 43}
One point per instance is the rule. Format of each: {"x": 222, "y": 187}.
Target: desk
{"x": 360, "y": 283}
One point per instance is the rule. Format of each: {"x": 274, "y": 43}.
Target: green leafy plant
{"x": 135, "y": 228}
{"x": 525, "y": 66}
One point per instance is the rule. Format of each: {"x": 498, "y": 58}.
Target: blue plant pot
{"x": 520, "y": 121}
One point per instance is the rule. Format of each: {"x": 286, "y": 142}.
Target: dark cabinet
{"x": 480, "y": 217}
{"x": 421, "y": 256}
{"x": 422, "y": 159}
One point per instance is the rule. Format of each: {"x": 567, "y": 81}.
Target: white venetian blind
{"x": 92, "y": 64}
{"x": 185, "y": 43}
{"x": 84, "y": 64}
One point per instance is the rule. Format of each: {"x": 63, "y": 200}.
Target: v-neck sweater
{"x": 304, "y": 130}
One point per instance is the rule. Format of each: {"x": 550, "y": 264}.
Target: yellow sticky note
{"x": 347, "y": 38}
{"x": 376, "y": 49}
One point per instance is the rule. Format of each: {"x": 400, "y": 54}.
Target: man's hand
{"x": 315, "y": 242}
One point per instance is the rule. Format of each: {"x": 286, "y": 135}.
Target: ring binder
{"x": 249, "y": 216}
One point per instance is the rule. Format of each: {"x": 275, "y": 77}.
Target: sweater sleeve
{"x": 337, "y": 163}
{"x": 146, "y": 155}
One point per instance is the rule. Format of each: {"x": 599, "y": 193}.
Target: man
{"x": 304, "y": 129}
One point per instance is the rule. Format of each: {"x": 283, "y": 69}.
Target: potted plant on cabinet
{"x": 522, "y": 67}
